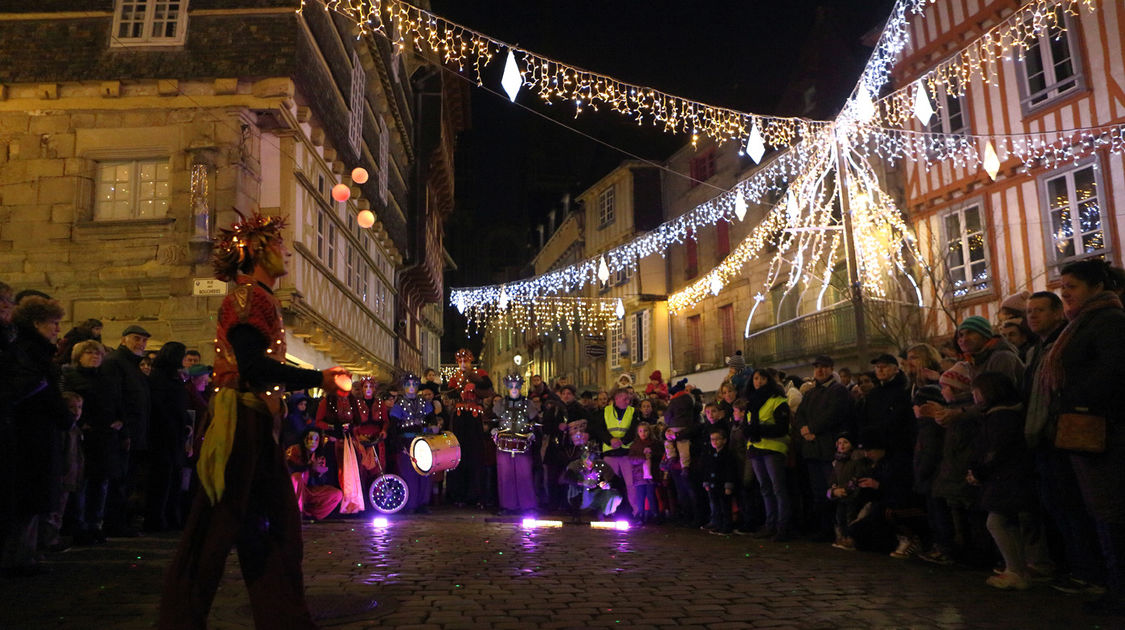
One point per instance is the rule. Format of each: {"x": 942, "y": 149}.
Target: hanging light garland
{"x": 544, "y": 314}
{"x": 556, "y": 82}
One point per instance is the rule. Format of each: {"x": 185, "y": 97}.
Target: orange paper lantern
{"x": 341, "y": 192}
{"x": 365, "y": 218}
{"x": 359, "y": 175}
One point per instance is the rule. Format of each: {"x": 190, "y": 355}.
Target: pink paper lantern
{"x": 359, "y": 175}
{"x": 344, "y": 382}
{"x": 341, "y": 192}
{"x": 365, "y": 218}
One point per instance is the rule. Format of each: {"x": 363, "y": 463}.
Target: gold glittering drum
{"x": 433, "y": 453}
{"x": 511, "y": 442}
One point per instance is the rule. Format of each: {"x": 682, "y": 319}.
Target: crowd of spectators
{"x": 1003, "y": 448}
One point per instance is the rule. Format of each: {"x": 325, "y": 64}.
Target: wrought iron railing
{"x": 825, "y": 332}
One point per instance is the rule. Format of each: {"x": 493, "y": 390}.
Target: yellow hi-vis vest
{"x": 617, "y": 428}
{"x": 765, "y": 416}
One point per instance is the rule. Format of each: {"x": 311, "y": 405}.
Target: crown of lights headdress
{"x": 411, "y": 377}
{"x": 513, "y": 380}
{"x": 464, "y": 353}
{"x": 244, "y": 241}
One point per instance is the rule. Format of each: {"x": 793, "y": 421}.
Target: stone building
{"x": 130, "y": 131}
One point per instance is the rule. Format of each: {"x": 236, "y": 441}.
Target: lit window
{"x": 606, "y": 212}
{"x": 136, "y": 189}
{"x": 1050, "y": 69}
{"x": 966, "y": 256}
{"x": 148, "y": 22}
{"x": 1075, "y": 215}
{"x": 356, "y": 105}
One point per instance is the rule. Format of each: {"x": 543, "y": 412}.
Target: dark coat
{"x": 957, "y": 452}
{"x": 130, "y": 385}
{"x": 1091, "y": 362}
{"x": 168, "y": 418}
{"x": 1003, "y": 464}
{"x": 826, "y": 409}
{"x": 720, "y": 468}
{"x": 100, "y": 409}
{"x": 889, "y": 415}
{"x": 681, "y": 411}
{"x": 927, "y": 454}
{"x": 39, "y": 416}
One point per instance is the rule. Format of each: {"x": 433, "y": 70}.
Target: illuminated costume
{"x": 373, "y": 430}
{"x": 466, "y": 373}
{"x": 514, "y": 479}
{"x": 336, "y": 416}
{"x": 247, "y": 496}
{"x": 411, "y": 416}
{"x": 591, "y": 483}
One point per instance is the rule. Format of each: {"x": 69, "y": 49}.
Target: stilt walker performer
{"x": 247, "y": 499}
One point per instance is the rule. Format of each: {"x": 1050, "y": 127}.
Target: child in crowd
{"x": 719, "y": 474}
{"x": 645, "y": 453}
{"x": 672, "y": 466}
{"x": 847, "y": 467}
{"x": 748, "y": 514}
{"x": 1003, "y": 467}
{"x": 67, "y": 479}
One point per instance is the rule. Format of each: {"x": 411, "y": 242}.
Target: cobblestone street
{"x": 453, "y": 570}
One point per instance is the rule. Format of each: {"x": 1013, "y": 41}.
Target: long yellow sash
{"x": 219, "y": 439}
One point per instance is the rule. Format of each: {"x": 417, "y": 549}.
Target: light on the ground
{"x": 621, "y": 525}
{"x": 380, "y": 521}
{"x": 531, "y": 523}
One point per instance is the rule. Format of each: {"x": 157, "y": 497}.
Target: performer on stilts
{"x": 514, "y": 439}
{"x": 411, "y": 416}
{"x": 466, "y": 373}
{"x": 247, "y": 499}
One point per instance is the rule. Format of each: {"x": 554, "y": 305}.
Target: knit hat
{"x": 678, "y": 386}
{"x": 958, "y": 378}
{"x": 736, "y": 360}
{"x": 977, "y": 324}
{"x": 656, "y": 376}
{"x": 1017, "y": 302}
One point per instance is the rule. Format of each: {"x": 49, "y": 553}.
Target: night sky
{"x": 513, "y": 166}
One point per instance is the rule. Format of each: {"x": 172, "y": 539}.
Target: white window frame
{"x": 941, "y": 123}
{"x": 134, "y": 188}
{"x": 356, "y": 105}
{"x": 964, "y": 238}
{"x": 607, "y": 211}
{"x": 1056, "y": 89}
{"x": 640, "y": 333}
{"x": 1051, "y": 238}
{"x": 147, "y": 22}
{"x": 330, "y": 246}
{"x": 614, "y": 336}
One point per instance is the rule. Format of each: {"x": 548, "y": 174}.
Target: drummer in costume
{"x": 411, "y": 416}
{"x": 247, "y": 499}
{"x": 514, "y": 438}
{"x": 616, "y": 428}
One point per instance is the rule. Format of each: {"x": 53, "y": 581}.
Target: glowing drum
{"x": 432, "y": 453}
{"x": 388, "y": 493}
{"x": 514, "y": 443}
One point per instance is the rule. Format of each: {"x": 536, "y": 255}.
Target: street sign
{"x": 208, "y": 286}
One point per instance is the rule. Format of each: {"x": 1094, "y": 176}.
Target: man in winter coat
{"x": 129, "y": 385}
{"x": 825, "y": 411}
{"x": 988, "y": 352}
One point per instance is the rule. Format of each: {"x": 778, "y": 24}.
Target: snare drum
{"x": 432, "y": 453}
{"x": 515, "y": 443}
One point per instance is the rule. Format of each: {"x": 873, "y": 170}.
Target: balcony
{"x": 831, "y": 331}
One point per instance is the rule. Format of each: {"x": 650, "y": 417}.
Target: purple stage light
{"x": 380, "y": 521}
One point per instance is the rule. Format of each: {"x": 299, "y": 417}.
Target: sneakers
{"x": 937, "y": 556}
{"x": 1009, "y": 580}
{"x": 1075, "y": 586}
{"x": 907, "y": 548}
{"x": 845, "y": 543}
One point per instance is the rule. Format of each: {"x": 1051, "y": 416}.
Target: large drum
{"x": 512, "y": 442}
{"x": 388, "y": 493}
{"x": 432, "y": 453}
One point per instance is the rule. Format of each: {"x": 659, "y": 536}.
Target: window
{"x": 350, "y": 265}
{"x": 966, "y": 258}
{"x": 640, "y": 325}
{"x": 691, "y": 256}
{"x": 695, "y": 338}
{"x": 135, "y": 189}
{"x": 606, "y": 212}
{"x": 950, "y": 116}
{"x": 616, "y": 341}
{"x": 320, "y": 228}
{"x": 726, "y": 325}
{"x": 1050, "y": 69}
{"x": 356, "y": 105}
{"x": 1076, "y": 218}
{"x": 619, "y": 277}
{"x": 320, "y": 187}
{"x": 330, "y": 247}
{"x": 702, "y": 167}
{"x": 384, "y": 159}
{"x": 148, "y": 22}
{"x": 722, "y": 239}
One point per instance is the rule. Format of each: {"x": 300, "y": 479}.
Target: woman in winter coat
{"x": 39, "y": 415}
{"x": 101, "y": 435}
{"x": 767, "y": 433}
{"x": 168, "y": 424}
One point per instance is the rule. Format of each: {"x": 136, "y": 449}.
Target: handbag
{"x": 1081, "y": 431}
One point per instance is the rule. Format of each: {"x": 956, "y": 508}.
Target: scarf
{"x": 1052, "y": 378}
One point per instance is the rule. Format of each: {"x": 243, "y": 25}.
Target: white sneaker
{"x": 907, "y": 548}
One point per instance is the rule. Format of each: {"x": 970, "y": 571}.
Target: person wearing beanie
{"x": 656, "y": 386}
{"x": 1014, "y": 306}
{"x": 956, "y": 383}
{"x": 986, "y": 351}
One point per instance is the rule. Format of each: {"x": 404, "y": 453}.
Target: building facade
{"x": 130, "y": 132}
{"x": 990, "y": 239}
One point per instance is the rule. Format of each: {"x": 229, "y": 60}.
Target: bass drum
{"x": 433, "y": 453}
{"x": 388, "y": 493}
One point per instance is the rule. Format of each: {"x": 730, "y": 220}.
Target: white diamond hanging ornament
{"x": 923, "y": 110}
{"x": 716, "y": 284}
{"x": 460, "y": 303}
{"x": 755, "y": 146}
{"x": 791, "y": 209}
{"x": 603, "y": 271}
{"x": 619, "y": 310}
{"x": 864, "y": 107}
{"x": 991, "y": 161}
{"x": 503, "y": 302}
{"x": 740, "y": 207}
{"x": 512, "y": 79}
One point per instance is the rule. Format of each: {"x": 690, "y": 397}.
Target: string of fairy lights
{"x": 543, "y": 314}
{"x": 804, "y": 229}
